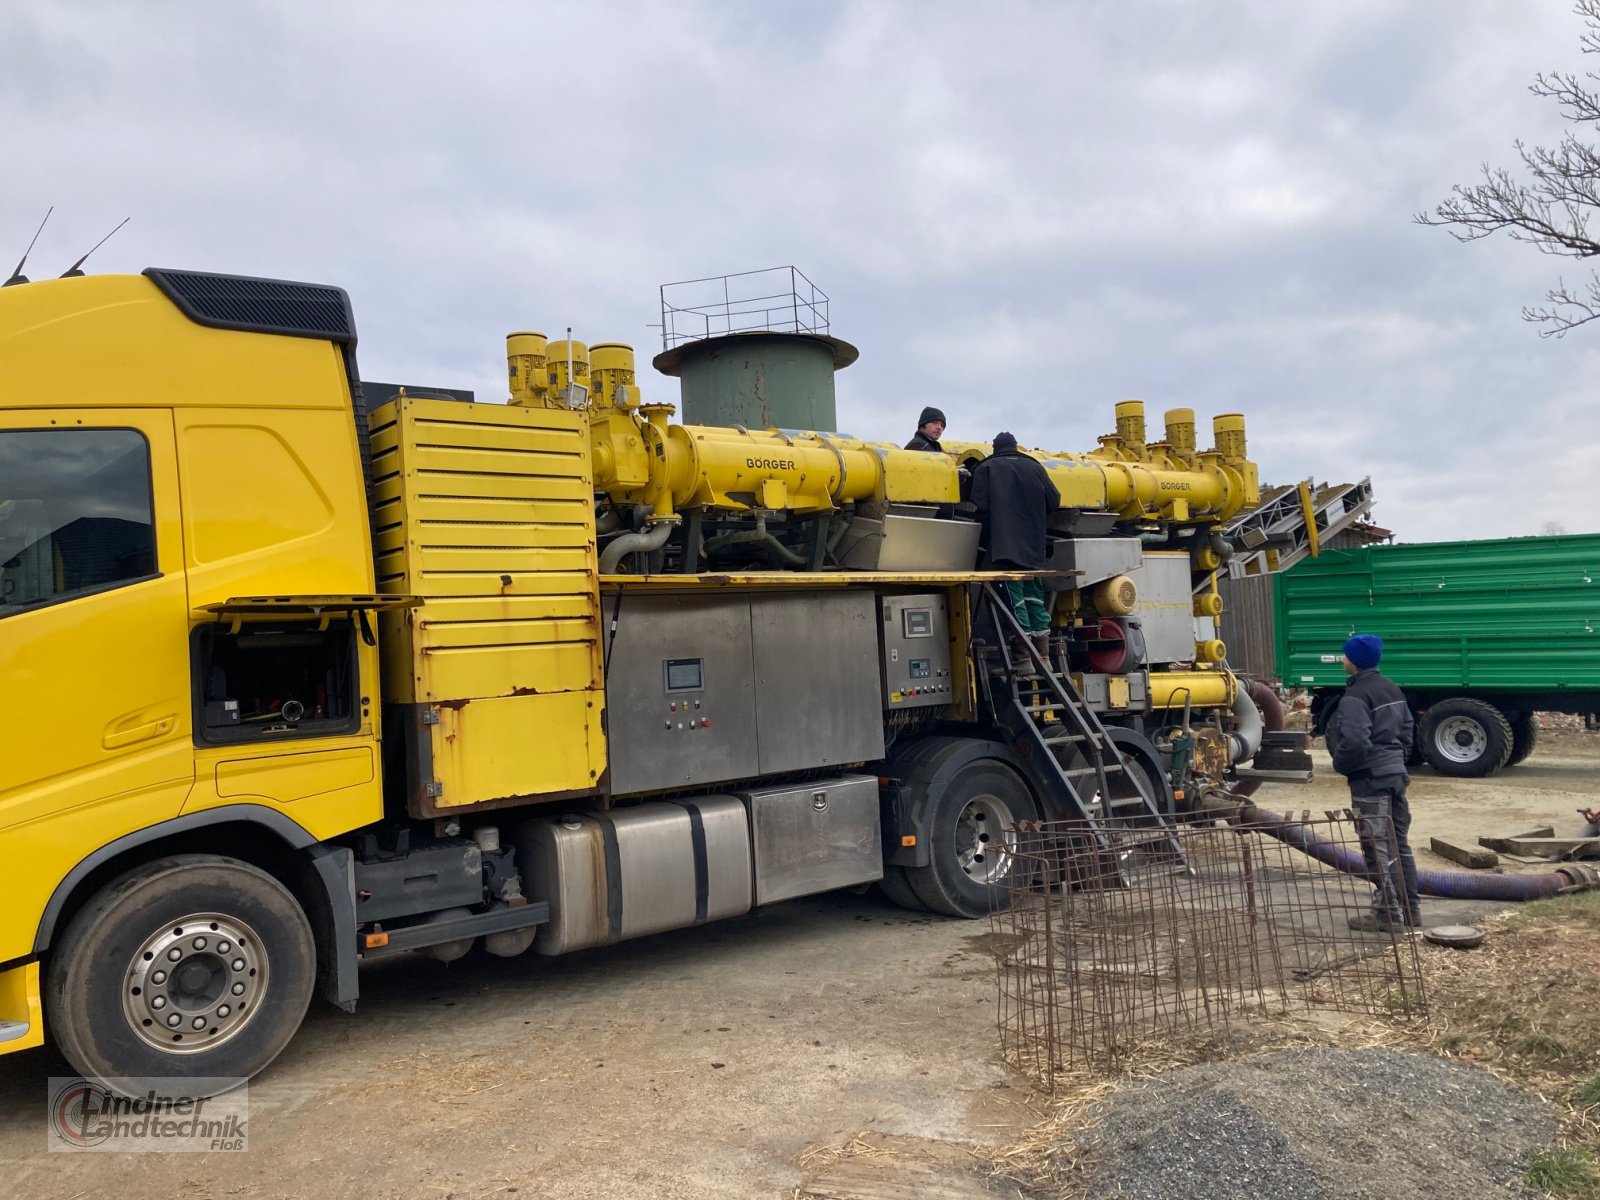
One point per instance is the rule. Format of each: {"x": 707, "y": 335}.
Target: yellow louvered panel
{"x": 487, "y": 512}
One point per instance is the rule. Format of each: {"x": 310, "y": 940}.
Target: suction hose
{"x": 1269, "y": 718}
{"x": 1456, "y": 885}
{"x": 1245, "y": 739}
{"x": 653, "y": 538}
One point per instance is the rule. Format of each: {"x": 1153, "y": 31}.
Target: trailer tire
{"x": 898, "y": 889}
{"x": 966, "y": 875}
{"x": 1524, "y": 737}
{"x": 243, "y": 967}
{"x": 1466, "y": 738}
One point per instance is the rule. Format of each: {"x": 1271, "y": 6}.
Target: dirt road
{"x": 698, "y": 1064}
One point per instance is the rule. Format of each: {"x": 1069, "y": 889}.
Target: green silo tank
{"x": 758, "y": 380}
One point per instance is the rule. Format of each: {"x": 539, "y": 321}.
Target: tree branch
{"x": 1552, "y": 208}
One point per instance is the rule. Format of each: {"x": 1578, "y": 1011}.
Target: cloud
{"x": 1022, "y": 212}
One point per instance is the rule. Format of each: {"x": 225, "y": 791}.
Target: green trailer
{"x": 1479, "y": 635}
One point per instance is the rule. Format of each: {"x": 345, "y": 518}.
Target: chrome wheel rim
{"x": 983, "y": 847}
{"x": 1461, "y": 739}
{"x": 195, "y": 983}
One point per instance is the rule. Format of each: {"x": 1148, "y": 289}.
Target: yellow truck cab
{"x": 292, "y": 684}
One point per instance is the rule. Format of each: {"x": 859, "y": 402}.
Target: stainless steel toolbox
{"x": 815, "y": 837}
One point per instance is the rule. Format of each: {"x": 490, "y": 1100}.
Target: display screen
{"x": 919, "y": 622}
{"x": 684, "y": 675}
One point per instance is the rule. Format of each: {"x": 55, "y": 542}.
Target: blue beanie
{"x": 1365, "y": 649}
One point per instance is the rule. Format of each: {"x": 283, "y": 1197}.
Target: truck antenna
{"x": 17, "y": 276}
{"x": 74, "y": 270}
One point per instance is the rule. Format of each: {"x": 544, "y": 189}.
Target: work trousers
{"x": 1027, "y": 601}
{"x": 1383, "y": 821}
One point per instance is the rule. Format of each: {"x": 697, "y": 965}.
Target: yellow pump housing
{"x": 640, "y": 457}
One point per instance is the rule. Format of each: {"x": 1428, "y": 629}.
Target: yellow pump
{"x": 640, "y": 457}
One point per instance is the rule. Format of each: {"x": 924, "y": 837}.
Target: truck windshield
{"x": 75, "y": 514}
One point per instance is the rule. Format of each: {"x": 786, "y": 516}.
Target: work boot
{"x": 1414, "y": 918}
{"x": 1041, "y": 642}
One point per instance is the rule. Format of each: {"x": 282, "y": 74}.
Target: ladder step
{"x": 1074, "y": 772}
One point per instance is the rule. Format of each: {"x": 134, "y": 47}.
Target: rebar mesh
{"x": 1114, "y": 935}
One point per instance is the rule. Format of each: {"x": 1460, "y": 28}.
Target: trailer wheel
{"x": 972, "y": 863}
{"x": 1524, "y": 737}
{"x": 1466, "y": 738}
{"x": 193, "y": 966}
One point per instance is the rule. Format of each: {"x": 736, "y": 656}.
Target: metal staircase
{"x": 1062, "y": 745}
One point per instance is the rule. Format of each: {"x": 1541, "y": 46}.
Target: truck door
{"x": 94, "y": 613}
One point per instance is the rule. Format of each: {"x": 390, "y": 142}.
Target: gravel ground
{"x": 1317, "y": 1125}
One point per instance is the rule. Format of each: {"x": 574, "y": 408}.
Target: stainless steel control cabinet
{"x": 815, "y": 837}
{"x": 707, "y": 689}
{"x": 1166, "y": 606}
{"x": 915, "y": 645}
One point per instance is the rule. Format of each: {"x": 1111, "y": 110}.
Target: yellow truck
{"x": 298, "y": 675}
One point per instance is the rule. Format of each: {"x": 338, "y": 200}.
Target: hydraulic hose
{"x": 1456, "y": 885}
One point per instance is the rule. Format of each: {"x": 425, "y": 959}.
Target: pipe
{"x": 1272, "y": 720}
{"x": 757, "y": 537}
{"x": 653, "y": 538}
{"x": 608, "y": 522}
{"x": 1197, "y": 689}
{"x": 1245, "y": 740}
{"x": 1455, "y": 885}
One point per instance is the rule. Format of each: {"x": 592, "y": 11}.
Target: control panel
{"x": 916, "y": 651}
{"x": 683, "y": 687}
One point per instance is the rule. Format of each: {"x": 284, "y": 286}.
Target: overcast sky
{"x": 1022, "y": 213}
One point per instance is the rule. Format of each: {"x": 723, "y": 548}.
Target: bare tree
{"x": 1553, "y": 208}
{"x": 1552, "y": 529}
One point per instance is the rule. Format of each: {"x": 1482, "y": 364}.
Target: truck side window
{"x": 273, "y": 681}
{"x": 75, "y": 514}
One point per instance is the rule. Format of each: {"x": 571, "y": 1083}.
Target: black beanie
{"x": 929, "y": 414}
{"x": 1005, "y": 441}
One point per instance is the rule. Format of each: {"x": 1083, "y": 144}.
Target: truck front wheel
{"x": 1466, "y": 738}
{"x": 192, "y": 966}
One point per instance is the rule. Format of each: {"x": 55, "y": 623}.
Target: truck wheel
{"x": 1524, "y": 737}
{"x": 192, "y": 966}
{"x": 898, "y": 889}
{"x": 972, "y": 862}
{"x": 1466, "y": 738}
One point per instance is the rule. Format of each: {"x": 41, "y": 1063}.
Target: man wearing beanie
{"x": 930, "y": 428}
{"x": 1014, "y": 496}
{"x": 1369, "y": 738}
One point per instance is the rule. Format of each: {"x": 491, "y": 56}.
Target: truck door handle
{"x": 139, "y": 733}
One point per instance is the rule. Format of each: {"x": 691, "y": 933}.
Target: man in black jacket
{"x": 1369, "y": 738}
{"x": 930, "y": 428}
{"x": 1014, "y": 496}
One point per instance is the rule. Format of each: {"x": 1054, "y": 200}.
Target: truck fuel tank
{"x": 622, "y": 874}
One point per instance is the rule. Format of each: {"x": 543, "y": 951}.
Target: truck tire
{"x": 243, "y": 964}
{"x": 971, "y": 867}
{"x": 1524, "y": 737}
{"x": 1465, "y": 738}
{"x": 898, "y": 889}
